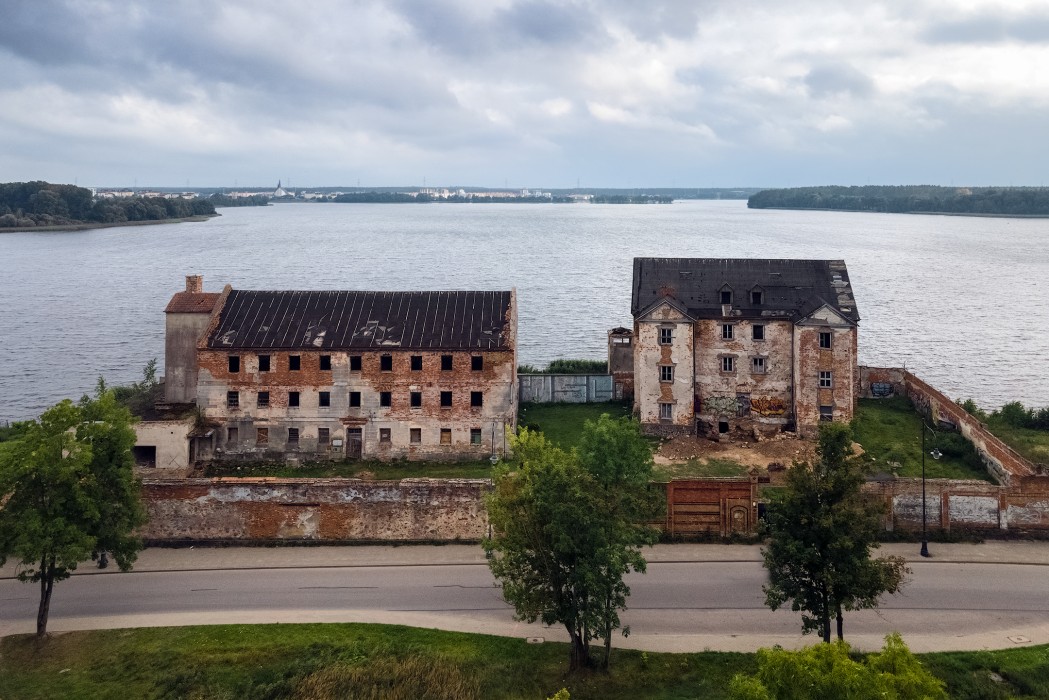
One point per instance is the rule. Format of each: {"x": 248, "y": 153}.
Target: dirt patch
{"x": 784, "y": 449}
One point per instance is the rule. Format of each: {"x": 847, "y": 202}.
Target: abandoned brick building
{"x": 742, "y": 345}
{"x": 327, "y": 374}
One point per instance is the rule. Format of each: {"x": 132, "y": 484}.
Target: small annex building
{"x": 334, "y": 374}
{"x": 750, "y": 346}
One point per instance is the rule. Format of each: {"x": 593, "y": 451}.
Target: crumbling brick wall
{"x": 330, "y": 510}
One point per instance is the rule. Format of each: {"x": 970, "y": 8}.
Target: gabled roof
{"x": 192, "y": 303}
{"x": 791, "y": 289}
{"x": 349, "y": 319}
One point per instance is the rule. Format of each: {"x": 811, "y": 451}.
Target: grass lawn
{"x": 1032, "y": 444}
{"x": 698, "y": 468}
{"x": 562, "y": 423}
{"x": 370, "y": 469}
{"x": 890, "y": 430}
{"x": 387, "y": 661}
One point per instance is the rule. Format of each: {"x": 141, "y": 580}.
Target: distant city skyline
{"x": 524, "y": 93}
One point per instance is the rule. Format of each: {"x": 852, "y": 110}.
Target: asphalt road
{"x": 677, "y": 606}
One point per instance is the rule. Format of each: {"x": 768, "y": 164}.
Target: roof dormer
{"x": 757, "y": 295}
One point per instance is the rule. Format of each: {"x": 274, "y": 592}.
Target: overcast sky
{"x": 531, "y": 93}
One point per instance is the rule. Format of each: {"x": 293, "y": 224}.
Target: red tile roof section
{"x": 192, "y": 303}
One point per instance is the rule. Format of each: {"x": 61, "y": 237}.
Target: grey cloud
{"x": 1030, "y": 27}
{"x": 837, "y": 79}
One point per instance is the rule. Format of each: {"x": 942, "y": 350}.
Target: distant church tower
{"x": 280, "y": 191}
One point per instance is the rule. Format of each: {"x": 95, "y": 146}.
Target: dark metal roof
{"x": 791, "y": 289}
{"x": 337, "y": 320}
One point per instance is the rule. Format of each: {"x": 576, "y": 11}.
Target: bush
{"x": 828, "y": 671}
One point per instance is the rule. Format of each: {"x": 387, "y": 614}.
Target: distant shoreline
{"x": 113, "y": 224}
{"x": 909, "y": 213}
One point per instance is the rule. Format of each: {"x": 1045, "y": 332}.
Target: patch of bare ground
{"x": 783, "y": 449}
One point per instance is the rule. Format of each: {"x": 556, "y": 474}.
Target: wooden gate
{"x": 715, "y": 507}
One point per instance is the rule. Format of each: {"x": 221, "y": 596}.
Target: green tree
{"x": 821, "y": 532}
{"x": 828, "y": 671}
{"x": 69, "y": 491}
{"x": 566, "y": 531}
{"x": 619, "y": 460}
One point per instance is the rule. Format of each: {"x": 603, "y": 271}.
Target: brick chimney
{"x": 194, "y": 283}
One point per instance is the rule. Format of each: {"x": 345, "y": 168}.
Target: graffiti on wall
{"x": 716, "y": 405}
{"x": 882, "y": 389}
{"x": 768, "y": 406}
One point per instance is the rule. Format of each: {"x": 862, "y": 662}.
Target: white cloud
{"x": 759, "y": 89}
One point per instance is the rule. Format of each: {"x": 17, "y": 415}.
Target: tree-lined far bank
{"x": 906, "y": 199}
{"x": 40, "y": 204}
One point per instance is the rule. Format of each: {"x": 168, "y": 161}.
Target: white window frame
{"x": 757, "y": 360}
{"x": 829, "y": 335}
{"x": 826, "y": 379}
{"x": 666, "y": 336}
{"x": 728, "y": 364}
{"x": 666, "y": 373}
{"x": 728, "y": 332}
{"x": 666, "y": 411}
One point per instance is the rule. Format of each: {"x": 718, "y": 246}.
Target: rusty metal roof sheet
{"x": 192, "y": 303}
{"x": 348, "y": 319}
{"x": 791, "y": 289}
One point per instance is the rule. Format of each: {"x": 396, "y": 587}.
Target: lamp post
{"x": 925, "y": 535}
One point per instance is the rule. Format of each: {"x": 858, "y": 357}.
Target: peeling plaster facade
{"x": 746, "y": 346}
{"x": 328, "y": 375}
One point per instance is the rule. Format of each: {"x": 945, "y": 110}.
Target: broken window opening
{"x": 293, "y": 436}
{"x": 325, "y": 363}
{"x": 232, "y": 436}
{"x": 476, "y": 399}
{"x": 355, "y": 363}
{"x": 757, "y": 331}
{"x": 293, "y": 399}
{"x": 232, "y": 399}
{"x": 234, "y": 364}
{"x": 417, "y": 363}
{"x": 416, "y": 399}
{"x": 262, "y": 436}
{"x": 446, "y": 399}
{"x": 475, "y": 436}
{"x": 294, "y": 363}
{"x": 723, "y": 426}
{"x": 476, "y": 363}
{"x": 355, "y": 399}
{"x": 263, "y": 399}
{"x": 324, "y": 399}
{"x": 446, "y": 363}
{"x": 384, "y": 435}
{"x": 386, "y": 363}
{"x": 415, "y": 435}
{"x": 385, "y": 399}
{"x": 446, "y": 436}
{"x": 826, "y": 414}
{"x": 264, "y": 363}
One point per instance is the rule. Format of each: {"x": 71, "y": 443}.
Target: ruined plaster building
{"x": 345, "y": 373}
{"x": 724, "y": 345}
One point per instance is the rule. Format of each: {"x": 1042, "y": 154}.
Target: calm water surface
{"x": 960, "y": 301}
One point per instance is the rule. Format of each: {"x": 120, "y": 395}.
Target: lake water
{"x": 960, "y": 301}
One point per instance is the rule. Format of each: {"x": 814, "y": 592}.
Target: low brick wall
{"x": 1002, "y": 461}
{"x": 329, "y": 510}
